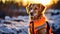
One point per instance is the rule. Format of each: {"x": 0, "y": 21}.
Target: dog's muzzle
{"x": 31, "y": 14}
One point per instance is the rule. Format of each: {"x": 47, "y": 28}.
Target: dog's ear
{"x": 41, "y": 7}
{"x": 27, "y": 8}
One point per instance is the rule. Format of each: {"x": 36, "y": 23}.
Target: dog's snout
{"x": 31, "y": 12}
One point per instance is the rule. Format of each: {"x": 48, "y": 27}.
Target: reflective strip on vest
{"x": 40, "y": 27}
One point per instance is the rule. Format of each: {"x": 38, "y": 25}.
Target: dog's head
{"x": 35, "y": 10}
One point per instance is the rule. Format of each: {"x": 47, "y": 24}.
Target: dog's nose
{"x": 31, "y": 13}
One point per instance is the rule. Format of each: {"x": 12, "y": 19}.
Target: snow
{"x": 54, "y": 20}
{"x": 15, "y": 27}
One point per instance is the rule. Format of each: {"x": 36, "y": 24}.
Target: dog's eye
{"x": 30, "y": 9}
{"x": 35, "y": 8}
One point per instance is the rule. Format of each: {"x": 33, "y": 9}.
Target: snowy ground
{"x": 53, "y": 17}
{"x": 11, "y": 25}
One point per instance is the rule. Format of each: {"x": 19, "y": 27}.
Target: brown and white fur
{"x": 36, "y": 10}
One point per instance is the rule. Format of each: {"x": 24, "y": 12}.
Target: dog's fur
{"x": 36, "y": 10}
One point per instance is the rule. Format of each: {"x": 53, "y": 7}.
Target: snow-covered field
{"x": 13, "y": 25}
{"x": 53, "y": 17}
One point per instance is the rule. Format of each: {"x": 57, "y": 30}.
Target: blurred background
{"x": 53, "y": 17}
{"x": 13, "y": 18}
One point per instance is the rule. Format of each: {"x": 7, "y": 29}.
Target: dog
{"x": 37, "y": 19}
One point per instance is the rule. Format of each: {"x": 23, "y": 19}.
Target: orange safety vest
{"x": 38, "y": 24}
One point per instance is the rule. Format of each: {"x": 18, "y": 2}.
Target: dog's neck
{"x": 38, "y": 17}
